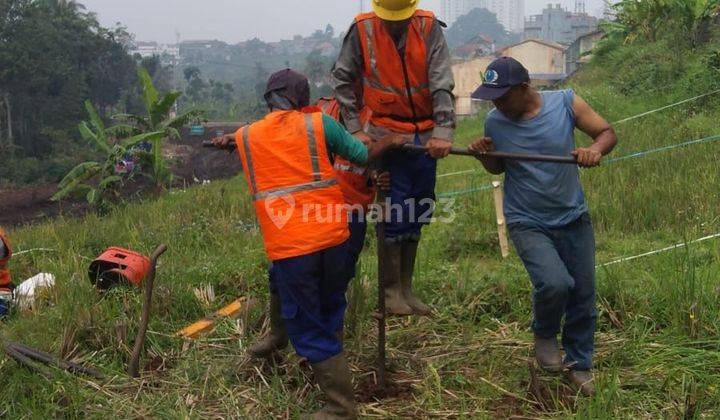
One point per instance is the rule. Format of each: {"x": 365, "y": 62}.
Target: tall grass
{"x": 658, "y": 342}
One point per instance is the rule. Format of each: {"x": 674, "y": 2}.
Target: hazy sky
{"x": 238, "y": 20}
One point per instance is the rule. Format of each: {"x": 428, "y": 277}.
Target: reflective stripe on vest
{"x": 317, "y": 176}
{"x": 312, "y": 145}
{"x": 357, "y": 170}
{"x": 353, "y": 179}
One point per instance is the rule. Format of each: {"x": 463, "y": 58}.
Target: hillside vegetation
{"x": 658, "y": 339}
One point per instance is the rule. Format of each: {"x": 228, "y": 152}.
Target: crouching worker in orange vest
{"x": 6, "y": 286}
{"x": 359, "y": 192}
{"x": 287, "y": 161}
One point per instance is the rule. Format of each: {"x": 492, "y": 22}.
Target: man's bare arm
{"x": 595, "y": 126}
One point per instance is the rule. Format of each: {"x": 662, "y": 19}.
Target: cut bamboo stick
{"x": 207, "y": 324}
{"x": 500, "y": 216}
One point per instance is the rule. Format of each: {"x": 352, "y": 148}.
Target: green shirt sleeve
{"x": 340, "y": 142}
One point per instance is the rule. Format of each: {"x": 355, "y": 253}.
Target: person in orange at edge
{"x": 287, "y": 161}
{"x": 6, "y": 286}
{"x": 395, "y": 61}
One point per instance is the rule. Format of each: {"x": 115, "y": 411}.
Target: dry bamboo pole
{"x": 133, "y": 365}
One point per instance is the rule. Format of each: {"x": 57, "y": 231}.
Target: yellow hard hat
{"x": 395, "y": 9}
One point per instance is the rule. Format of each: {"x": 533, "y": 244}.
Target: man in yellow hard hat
{"x": 397, "y": 59}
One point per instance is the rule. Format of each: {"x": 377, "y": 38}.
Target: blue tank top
{"x": 544, "y": 193}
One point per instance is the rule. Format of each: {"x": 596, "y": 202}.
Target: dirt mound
{"x": 25, "y": 205}
{"x": 191, "y": 163}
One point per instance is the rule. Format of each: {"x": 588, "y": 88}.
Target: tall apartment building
{"x": 557, "y": 24}
{"x": 510, "y": 13}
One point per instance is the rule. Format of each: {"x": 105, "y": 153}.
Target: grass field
{"x": 658, "y": 339}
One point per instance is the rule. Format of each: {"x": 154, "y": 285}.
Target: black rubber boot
{"x": 277, "y": 338}
{"x": 333, "y": 376}
{"x": 409, "y": 252}
{"x": 395, "y": 303}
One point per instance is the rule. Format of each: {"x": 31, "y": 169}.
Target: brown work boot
{"x": 277, "y": 338}
{"x": 583, "y": 381}
{"x": 333, "y": 376}
{"x": 409, "y": 251}
{"x": 395, "y": 303}
{"x": 547, "y": 354}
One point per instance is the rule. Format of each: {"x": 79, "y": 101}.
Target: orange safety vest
{"x": 297, "y": 198}
{"x": 353, "y": 179}
{"x": 396, "y": 88}
{"x": 5, "y": 279}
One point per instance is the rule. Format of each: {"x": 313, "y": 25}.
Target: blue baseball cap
{"x": 501, "y": 75}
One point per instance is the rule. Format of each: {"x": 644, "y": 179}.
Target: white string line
{"x": 15, "y": 254}
{"x": 468, "y": 171}
{"x": 666, "y": 107}
{"x": 658, "y": 251}
{"x": 624, "y": 120}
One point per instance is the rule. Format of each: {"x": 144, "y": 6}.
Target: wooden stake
{"x": 134, "y": 364}
{"x": 500, "y": 215}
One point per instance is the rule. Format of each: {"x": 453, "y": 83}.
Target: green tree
{"x": 196, "y": 87}
{"x": 478, "y": 21}
{"x": 54, "y": 56}
{"x": 329, "y": 31}
{"x": 316, "y": 69}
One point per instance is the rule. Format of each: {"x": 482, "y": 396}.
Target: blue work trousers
{"x": 561, "y": 264}
{"x": 358, "y": 230}
{"x": 312, "y": 294}
{"x": 412, "y": 193}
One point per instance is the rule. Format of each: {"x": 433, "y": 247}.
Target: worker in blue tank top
{"x": 545, "y": 208}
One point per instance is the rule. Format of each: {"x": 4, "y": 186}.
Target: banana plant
{"x": 97, "y": 180}
{"x": 159, "y": 118}
{"x": 650, "y": 18}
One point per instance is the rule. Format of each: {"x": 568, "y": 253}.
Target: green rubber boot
{"x": 333, "y": 376}
{"x": 395, "y": 303}
{"x": 277, "y": 338}
{"x": 409, "y": 252}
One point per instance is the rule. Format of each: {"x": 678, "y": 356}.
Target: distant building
{"x": 479, "y": 46}
{"x": 510, "y": 13}
{"x": 194, "y": 47}
{"x": 145, "y": 49}
{"x": 169, "y": 55}
{"x": 544, "y": 60}
{"x": 556, "y": 24}
{"x": 577, "y": 53}
{"x": 468, "y": 76}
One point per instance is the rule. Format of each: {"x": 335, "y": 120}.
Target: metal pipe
{"x": 465, "y": 152}
{"x": 51, "y": 360}
{"x": 26, "y": 361}
{"x": 501, "y": 155}
{"x": 382, "y": 310}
